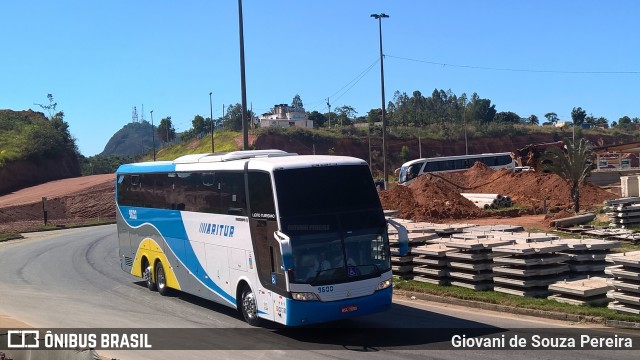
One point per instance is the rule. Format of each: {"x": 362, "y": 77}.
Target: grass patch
{"x": 9, "y": 236}
{"x": 224, "y": 141}
{"x": 626, "y": 247}
{"x": 497, "y": 298}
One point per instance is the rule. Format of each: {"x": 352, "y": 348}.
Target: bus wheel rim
{"x": 249, "y": 305}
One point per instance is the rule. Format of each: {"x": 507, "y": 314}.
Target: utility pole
{"x": 153, "y": 137}
{"x": 379, "y": 17}
{"x": 329, "y": 106}
{"x": 369, "y": 139}
{"x": 466, "y": 148}
{"x": 243, "y": 84}
{"x": 211, "y": 117}
{"x": 420, "y": 147}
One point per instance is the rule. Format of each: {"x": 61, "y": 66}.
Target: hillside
{"x": 133, "y": 139}
{"x": 34, "y": 149}
{"x": 322, "y": 142}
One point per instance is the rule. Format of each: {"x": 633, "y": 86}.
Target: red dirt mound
{"x": 437, "y": 196}
{"x": 429, "y": 198}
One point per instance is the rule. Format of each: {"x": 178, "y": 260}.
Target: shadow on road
{"x": 402, "y": 327}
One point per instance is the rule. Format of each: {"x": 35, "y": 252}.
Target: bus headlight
{"x": 384, "y": 284}
{"x": 305, "y": 296}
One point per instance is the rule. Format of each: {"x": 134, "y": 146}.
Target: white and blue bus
{"x": 284, "y": 237}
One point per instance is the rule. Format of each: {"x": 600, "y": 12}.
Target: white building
{"x": 284, "y": 115}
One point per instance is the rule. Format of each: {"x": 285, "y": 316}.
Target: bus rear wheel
{"x": 147, "y": 275}
{"x": 161, "y": 280}
{"x": 249, "y": 307}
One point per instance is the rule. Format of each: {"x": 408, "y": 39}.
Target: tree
{"x": 165, "y": 130}
{"x": 51, "y": 108}
{"x": 578, "y": 116}
{"x": 624, "y": 122}
{"x": 58, "y": 123}
{"x": 552, "y": 117}
{"x": 480, "y": 110}
{"x": 404, "y": 153}
{"x": 345, "y": 114}
{"x": 590, "y": 120}
{"x": 507, "y": 117}
{"x": 296, "y": 102}
{"x": 573, "y": 166}
{"x": 602, "y": 122}
{"x": 318, "y": 118}
{"x": 533, "y": 120}
{"x": 199, "y": 125}
{"x": 233, "y": 118}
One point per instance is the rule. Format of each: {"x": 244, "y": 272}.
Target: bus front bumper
{"x": 313, "y": 312}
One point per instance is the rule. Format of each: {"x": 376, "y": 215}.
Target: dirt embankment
{"x": 22, "y": 173}
{"x": 436, "y": 197}
{"x": 74, "y": 200}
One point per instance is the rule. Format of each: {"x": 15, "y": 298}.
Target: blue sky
{"x": 99, "y": 59}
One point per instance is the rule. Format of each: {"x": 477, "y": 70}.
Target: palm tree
{"x": 574, "y": 165}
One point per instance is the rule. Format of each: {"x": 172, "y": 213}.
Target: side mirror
{"x": 285, "y": 250}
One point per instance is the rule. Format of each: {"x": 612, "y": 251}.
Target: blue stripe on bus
{"x": 161, "y": 166}
{"x": 313, "y": 312}
{"x": 170, "y": 225}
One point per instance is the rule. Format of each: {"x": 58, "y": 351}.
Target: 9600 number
{"x": 325, "y": 289}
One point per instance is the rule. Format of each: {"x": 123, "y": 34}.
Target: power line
{"x": 353, "y": 82}
{"x": 516, "y": 70}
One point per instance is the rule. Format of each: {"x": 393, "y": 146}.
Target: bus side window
{"x": 225, "y": 195}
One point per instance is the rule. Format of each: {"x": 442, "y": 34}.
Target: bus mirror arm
{"x": 403, "y": 237}
{"x": 285, "y": 250}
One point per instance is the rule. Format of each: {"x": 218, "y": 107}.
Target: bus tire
{"x": 249, "y": 306}
{"x": 161, "y": 280}
{"x": 147, "y": 275}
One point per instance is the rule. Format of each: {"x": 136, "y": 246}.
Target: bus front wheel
{"x": 249, "y": 306}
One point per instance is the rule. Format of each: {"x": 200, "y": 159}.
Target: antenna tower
{"x": 134, "y": 115}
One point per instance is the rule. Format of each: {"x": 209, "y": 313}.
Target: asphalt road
{"x": 72, "y": 279}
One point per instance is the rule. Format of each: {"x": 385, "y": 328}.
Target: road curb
{"x": 518, "y": 311}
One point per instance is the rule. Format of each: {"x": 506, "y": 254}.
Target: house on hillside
{"x": 284, "y": 115}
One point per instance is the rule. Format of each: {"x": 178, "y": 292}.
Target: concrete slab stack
{"x": 626, "y": 282}
{"x": 471, "y": 266}
{"x": 527, "y": 269}
{"x": 419, "y": 234}
{"x": 494, "y": 228}
{"x": 623, "y": 212}
{"x": 590, "y": 291}
{"x": 524, "y": 237}
{"x": 430, "y": 264}
{"x": 586, "y": 257}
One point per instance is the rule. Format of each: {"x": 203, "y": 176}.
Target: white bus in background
{"x": 414, "y": 168}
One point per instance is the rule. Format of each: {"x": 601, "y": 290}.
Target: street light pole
{"x": 153, "y": 137}
{"x": 243, "y": 86}
{"x": 464, "y": 115}
{"x": 384, "y": 122}
{"x": 211, "y": 117}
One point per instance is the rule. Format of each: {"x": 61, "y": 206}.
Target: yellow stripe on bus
{"x": 152, "y": 251}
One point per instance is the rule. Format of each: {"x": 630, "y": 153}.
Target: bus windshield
{"x": 335, "y": 222}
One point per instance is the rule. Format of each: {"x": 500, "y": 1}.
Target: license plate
{"x": 349, "y": 308}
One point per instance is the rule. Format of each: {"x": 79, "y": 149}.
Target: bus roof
{"x": 456, "y": 157}
{"x": 267, "y": 160}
